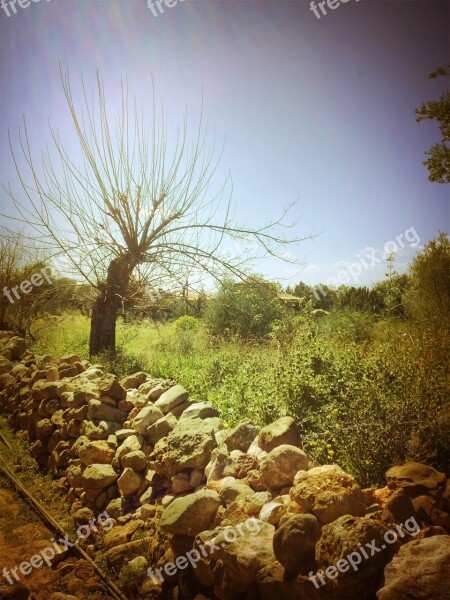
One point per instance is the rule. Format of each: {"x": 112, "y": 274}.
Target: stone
{"x": 282, "y": 431}
{"x": 161, "y": 428}
{"x": 421, "y": 569}
{"x": 199, "y": 410}
{"x": 123, "y": 434}
{"x": 239, "y": 437}
{"x": 273, "y": 584}
{"x": 75, "y": 475}
{"x": 96, "y": 452}
{"x": 191, "y": 514}
{"x": 219, "y": 460}
{"x": 232, "y": 490}
{"x": 272, "y": 513}
{"x": 103, "y": 412}
{"x": 129, "y": 482}
{"x": 398, "y": 507}
{"x": 44, "y": 429}
{"x": 130, "y": 444}
{"x": 5, "y": 365}
{"x": 349, "y": 535}
{"x": 118, "y": 555}
{"x": 83, "y": 515}
{"x": 134, "y": 381}
{"x": 70, "y": 359}
{"x": 328, "y": 492}
{"x": 109, "y": 384}
{"x": 188, "y": 446}
{"x": 146, "y": 417}
{"x": 181, "y": 483}
{"x": 98, "y": 430}
{"x": 171, "y": 398}
{"x": 135, "y": 571}
{"x": 294, "y": 542}
{"x": 98, "y": 476}
{"x": 281, "y": 465}
{"x": 115, "y": 508}
{"x": 181, "y": 408}
{"x": 121, "y": 534}
{"x": 135, "y": 460}
{"x": 416, "y": 479}
{"x": 241, "y": 466}
{"x": 197, "y": 478}
{"x": 239, "y": 558}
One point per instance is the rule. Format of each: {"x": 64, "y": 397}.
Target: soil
{"x": 22, "y": 535}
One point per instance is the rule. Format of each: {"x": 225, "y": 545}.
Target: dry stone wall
{"x": 175, "y": 480}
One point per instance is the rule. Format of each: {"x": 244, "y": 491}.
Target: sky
{"x": 318, "y": 110}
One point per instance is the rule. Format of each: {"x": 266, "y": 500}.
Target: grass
{"x": 367, "y": 394}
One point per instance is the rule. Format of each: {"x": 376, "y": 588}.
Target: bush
{"x": 246, "y": 309}
{"x": 186, "y": 324}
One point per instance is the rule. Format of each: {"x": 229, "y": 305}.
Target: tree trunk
{"x": 107, "y": 306}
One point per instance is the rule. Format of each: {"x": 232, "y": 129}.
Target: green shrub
{"x": 187, "y": 324}
{"x": 246, "y": 309}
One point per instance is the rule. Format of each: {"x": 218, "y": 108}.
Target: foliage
{"x": 438, "y": 163}
{"x": 428, "y": 300}
{"x": 186, "y": 324}
{"x": 246, "y": 309}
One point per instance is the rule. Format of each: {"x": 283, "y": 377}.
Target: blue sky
{"x": 316, "y": 109}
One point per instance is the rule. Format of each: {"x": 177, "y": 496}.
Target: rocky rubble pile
{"x": 174, "y": 479}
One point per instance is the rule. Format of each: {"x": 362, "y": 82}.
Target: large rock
{"x": 421, "y": 569}
{"x": 103, "y": 412}
{"x": 283, "y": 431}
{"x": 129, "y": 482}
{"x": 134, "y": 381}
{"x": 132, "y": 443}
{"x": 161, "y": 428}
{"x": 199, "y": 410}
{"x": 234, "y": 489}
{"x": 273, "y": 584}
{"x": 416, "y": 479}
{"x": 146, "y": 417}
{"x": 240, "y": 437}
{"x": 328, "y": 492}
{"x": 279, "y": 467}
{"x": 188, "y": 446}
{"x": 295, "y": 540}
{"x": 98, "y": 430}
{"x": 110, "y": 386}
{"x": 135, "y": 460}
{"x": 96, "y": 452}
{"x": 240, "y": 556}
{"x": 348, "y": 538}
{"x": 98, "y": 476}
{"x": 191, "y": 514}
{"x": 172, "y": 398}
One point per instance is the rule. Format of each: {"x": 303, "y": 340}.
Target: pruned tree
{"x": 139, "y": 204}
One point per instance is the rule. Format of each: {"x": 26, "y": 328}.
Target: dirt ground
{"x": 22, "y": 535}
